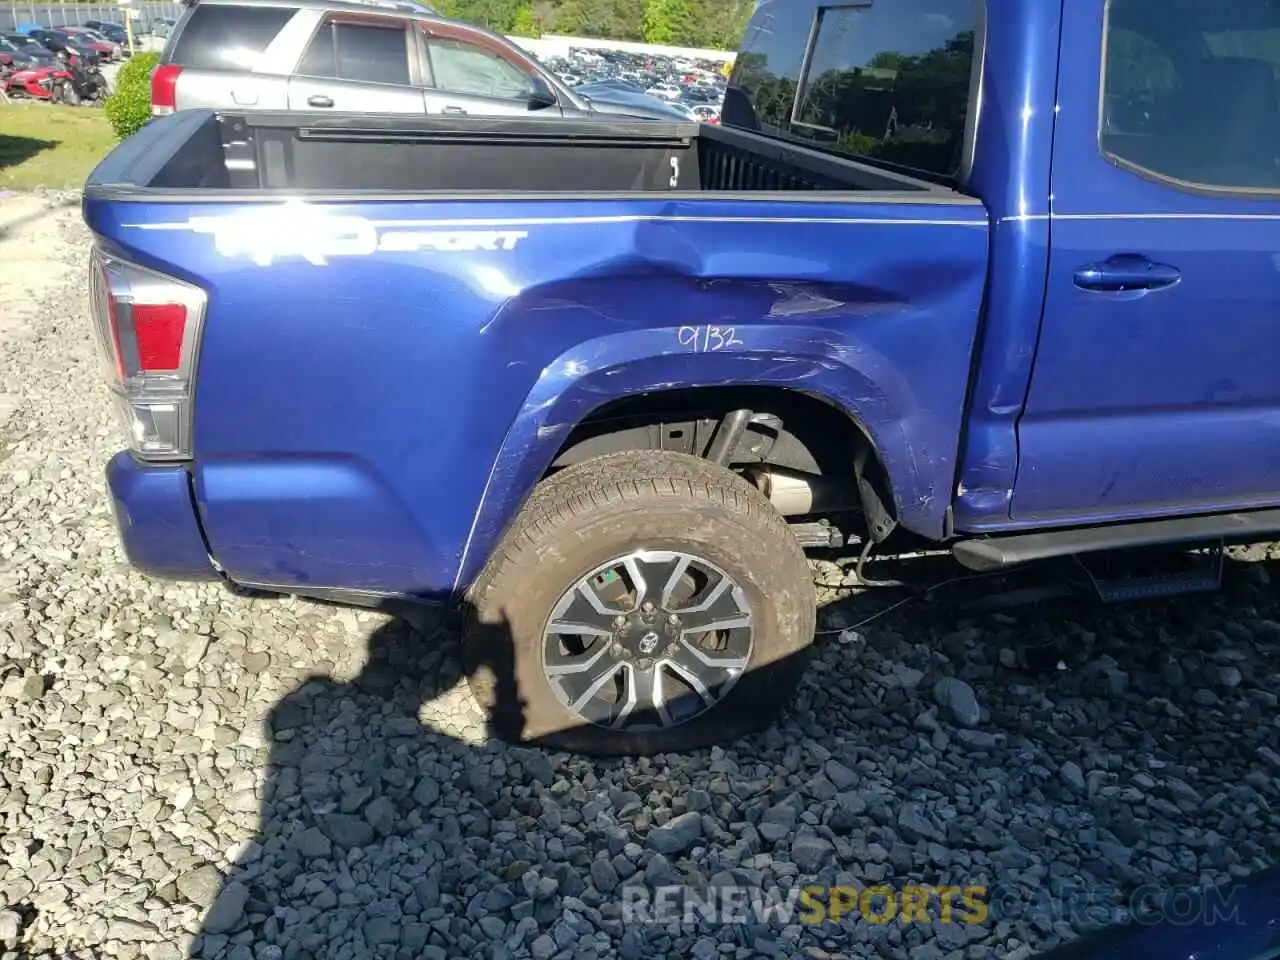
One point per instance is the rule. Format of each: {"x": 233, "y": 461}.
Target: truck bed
{"x": 207, "y": 150}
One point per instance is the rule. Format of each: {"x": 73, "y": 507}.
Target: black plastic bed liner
{"x": 277, "y": 152}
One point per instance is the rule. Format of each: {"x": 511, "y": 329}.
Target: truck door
{"x": 470, "y": 74}
{"x": 358, "y": 65}
{"x": 1156, "y": 384}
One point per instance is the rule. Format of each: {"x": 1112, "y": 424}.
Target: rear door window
{"x": 1193, "y": 97}
{"x": 224, "y": 37}
{"x": 359, "y": 52}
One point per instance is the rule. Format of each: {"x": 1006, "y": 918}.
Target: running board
{"x": 998, "y": 552}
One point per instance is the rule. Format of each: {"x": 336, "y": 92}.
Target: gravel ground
{"x": 1040, "y": 750}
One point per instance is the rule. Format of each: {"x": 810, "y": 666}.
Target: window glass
{"x": 465, "y": 68}
{"x": 350, "y": 51}
{"x": 372, "y": 54}
{"x": 224, "y": 37}
{"x": 888, "y": 81}
{"x": 320, "y": 60}
{"x": 1190, "y": 91}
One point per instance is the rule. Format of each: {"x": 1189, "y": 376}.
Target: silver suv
{"x": 357, "y": 57}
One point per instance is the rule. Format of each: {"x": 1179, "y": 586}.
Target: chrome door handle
{"x": 456, "y": 111}
{"x": 319, "y": 101}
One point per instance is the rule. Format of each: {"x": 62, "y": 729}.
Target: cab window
{"x": 889, "y": 81}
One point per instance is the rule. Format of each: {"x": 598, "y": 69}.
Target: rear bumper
{"x": 156, "y": 517}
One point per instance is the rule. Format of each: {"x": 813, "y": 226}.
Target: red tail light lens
{"x": 148, "y": 329}
{"x": 158, "y": 328}
{"x": 164, "y": 89}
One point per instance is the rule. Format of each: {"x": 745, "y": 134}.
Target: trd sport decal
{"x": 267, "y": 234}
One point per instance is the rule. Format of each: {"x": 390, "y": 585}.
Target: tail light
{"x": 164, "y": 89}
{"x": 148, "y": 330}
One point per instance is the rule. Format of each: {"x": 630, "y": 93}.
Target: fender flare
{"x": 859, "y": 382}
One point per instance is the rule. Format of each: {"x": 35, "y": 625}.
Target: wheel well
{"x": 791, "y": 431}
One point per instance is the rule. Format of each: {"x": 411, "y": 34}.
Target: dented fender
{"x": 912, "y": 420}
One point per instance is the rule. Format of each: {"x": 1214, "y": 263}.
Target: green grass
{"x": 42, "y": 145}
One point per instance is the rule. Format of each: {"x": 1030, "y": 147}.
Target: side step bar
{"x": 998, "y": 552}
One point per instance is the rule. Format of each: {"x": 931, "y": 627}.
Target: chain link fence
{"x": 16, "y": 15}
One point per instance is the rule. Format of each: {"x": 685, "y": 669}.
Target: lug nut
{"x": 672, "y": 619}
{"x": 647, "y": 606}
{"x": 619, "y": 621}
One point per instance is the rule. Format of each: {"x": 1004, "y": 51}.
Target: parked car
{"x": 56, "y": 41}
{"x": 667, "y": 91}
{"x": 604, "y": 381}
{"x": 35, "y": 51}
{"x": 112, "y": 32}
{"x": 356, "y": 57}
{"x": 104, "y": 48}
{"x": 14, "y": 58}
{"x": 619, "y": 98}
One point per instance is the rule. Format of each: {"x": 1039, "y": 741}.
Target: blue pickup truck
{"x": 999, "y": 274}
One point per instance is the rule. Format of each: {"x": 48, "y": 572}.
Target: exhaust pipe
{"x": 794, "y": 494}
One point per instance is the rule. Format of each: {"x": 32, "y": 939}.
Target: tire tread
{"x": 634, "y": 479}
{"x": 621, "y": 474}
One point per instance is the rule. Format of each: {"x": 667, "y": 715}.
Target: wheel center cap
{"x": 649, "y": 643}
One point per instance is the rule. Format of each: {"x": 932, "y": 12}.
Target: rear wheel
{"x": 643, "y": 602}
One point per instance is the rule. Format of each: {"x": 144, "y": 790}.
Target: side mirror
{"x": 542, "y": 96}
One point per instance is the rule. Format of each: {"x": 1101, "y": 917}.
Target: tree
{"x": 615, "y": 20}
{"x": 718, "y": 24}
{"x": 571, "y": 18}
{"x": 668, "y": 22}
{"x": 451, "y": 8}
{"x": 525, "y": 22}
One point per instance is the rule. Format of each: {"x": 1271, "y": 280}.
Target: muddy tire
{"x": 642, "y": 602}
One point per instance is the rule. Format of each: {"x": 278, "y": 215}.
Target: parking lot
{"x": 1075, "y": 748}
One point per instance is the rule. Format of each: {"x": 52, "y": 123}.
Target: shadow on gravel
{"x": 372, "y": 825}
{"x": 352, "y": 826}
{"x": 379, "y": 837}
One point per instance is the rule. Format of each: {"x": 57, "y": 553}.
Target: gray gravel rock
{"x": 677, "y": 835}
{"x": 958, "y": 700}
{"x": 227, "y": 909}
{"x": 284, "y": 779}
{"x": 200, "y": 885}
{"x": 10, "y": 927}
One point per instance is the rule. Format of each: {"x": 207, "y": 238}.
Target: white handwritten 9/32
{"x": 707, "y": 339}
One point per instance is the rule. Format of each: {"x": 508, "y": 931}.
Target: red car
{"x": 95, "y": 41}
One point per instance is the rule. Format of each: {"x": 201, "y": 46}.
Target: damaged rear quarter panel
{"x": 372, "y": 409}
{"x": 874, "y": 308}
